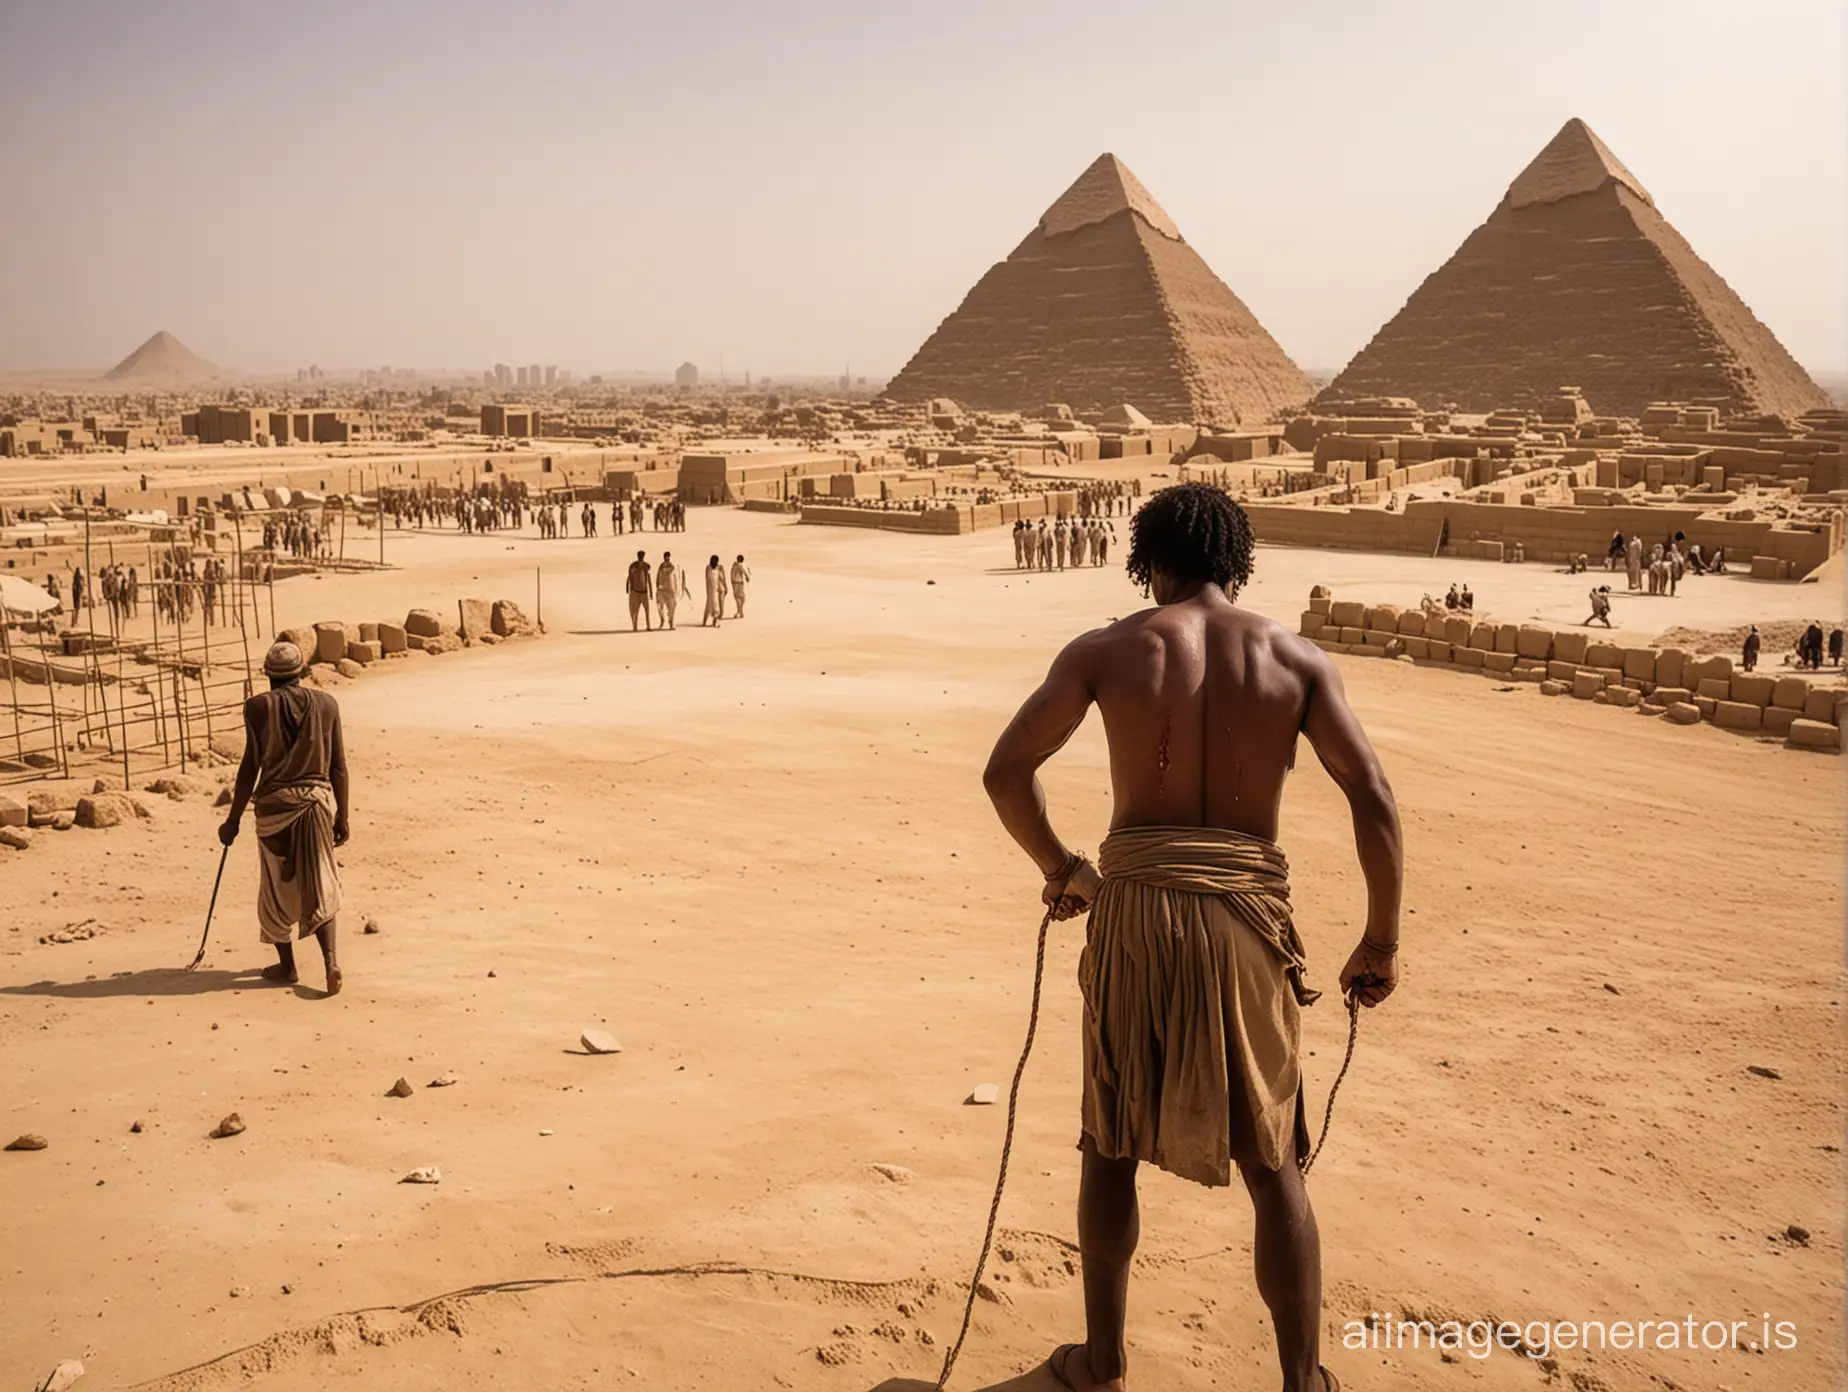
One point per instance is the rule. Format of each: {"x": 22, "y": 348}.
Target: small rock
{"x": 136, "y": 1129}
{"x": 64, "y": 1375}
{"x": 371, "y": 926}
{"x": 348, "y": 668}
{"x": 1764, "y": 1072}
{"x": 423, "y": 1174}
{"x": 19, "y": 838}
{"x": 492, "y": 975}
{"x": 1612, "y": 989}
{"x": 546, "y": 1131}
{"x": 288, "y": 1290}
{"x": 1796, "y": 1235}
{"x": 63, "y": 821}
{"x": 898, "y": 1174}
{"x": 983, "y": 1096}
{"x": 401, "y": 1088}
{"x": 447, "y": 1080}
{"x": 29, "y": 1141}
{"x": 239, "y": 1292}
{"x": 230, "y": 1126}
{"x": 223, "y": 799}
{"x": 599, "y": 1042}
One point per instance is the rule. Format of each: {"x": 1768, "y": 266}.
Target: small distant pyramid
{"x": 163, "y": 358}
{"x": 1104, "y": 303}
{"x": 1576, "y": 277}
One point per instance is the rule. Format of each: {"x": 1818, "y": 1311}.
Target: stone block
{"x": 475, "y": 617}
{"x": 392, "y": 638}
{"x": 1789, "y": 693}
{"x": 1312, "y": 623}
{"x": 368, "y": 633}
{"x": 330, "y": 642}
{"x": 1366, "y": 650}
{"x": 1532, "y": 641}
{"x": 1670, "y": 663}
{"x": 1604, "y": 655}
{"x": 1705, "y": 705}
{"x": 1439, "y": 650}
{"x": 1456, "y": 631}
{"x": 1561, "y": 671}
{"x": 1412, "y": 622}
{"x": 1764, "y": 568}
{"x": 1684, "y": 713}
{"x": 365, "y": 654}
{"x": 1383, "y": 616}
{"x": 1468, "y": 657}
{"x": 1351, "y": 636}
{"x": 1348, "y": 613}
{"x": 1749, "y": 688}
{"x": 1508, "y": 639}
{"x": 1320, "y": 592}
{"x": 1498, "y": 661}
{"x": 42, "y": 804}
{"x": 423, "y": 623}
{"x": 1329, "y": 645}
{"x": 1639, "y": 664}
{"x": 1671, "y": 695}
{"x": 1320, "y": 603}
{"x": 1738, "y": 715}
{"x": 347, "y": 667}
{"x": 13, "y": 811}
{"x": 1434, "y": 626}
{"x": 303, "y": 638}
{"x": 1570, "y": 647}
{"x": 1554, "y": 688}
{"x": 324, "y": 673}
{"x": 1623, "y": 696}
{"x": 1815, "y": 734}
{"x": 508, "y": 620}
{"x": 1417, "y": 645}
{"x": 1714, "y": 688}
{"x": 105, "y": 810}
{"x": 1586, "y": 685}
{"x": 1820, "y": 705}
{"x": 1380, "y": 637}
{"x": 1778, "y": 720}
{"x": 1482, "y": 635}
{"x": 1699, "y": 669}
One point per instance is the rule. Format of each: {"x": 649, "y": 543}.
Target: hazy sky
{"x": 799, "y": 186}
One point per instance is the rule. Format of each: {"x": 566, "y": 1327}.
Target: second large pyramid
{"x": 1103, "y": 304}
{"x": 1576, "y": 279}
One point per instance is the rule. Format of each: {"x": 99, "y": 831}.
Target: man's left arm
{"x": 1039, "y": 730}
{"x": 337, "y": 775}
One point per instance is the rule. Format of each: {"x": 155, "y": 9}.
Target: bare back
{"x": 1202, "y": 703}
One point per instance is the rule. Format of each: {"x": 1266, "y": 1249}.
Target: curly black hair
{"x": 1192, "y": 532}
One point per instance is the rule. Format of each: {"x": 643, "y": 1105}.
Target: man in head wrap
{"x": 1192, "y": 973}
{"x": 295, "y": 768}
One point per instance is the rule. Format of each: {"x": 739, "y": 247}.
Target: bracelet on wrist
{"x": 1378, "y": 949}
{"x": 1067, "y": 869}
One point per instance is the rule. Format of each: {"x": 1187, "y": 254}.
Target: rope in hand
{"x": 1013, "y": 1103}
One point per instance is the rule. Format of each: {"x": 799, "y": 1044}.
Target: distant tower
{"x": 686, "y": 375}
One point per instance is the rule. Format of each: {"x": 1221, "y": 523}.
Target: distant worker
{"x": 1600, "y": 607}
{"x": 295, "y": 768}
{"x": 1616, "y": 552}
{"x": 740, "y": 577}
{"x": 1835, "y": 648}
{"x": 1453, "y": 600}
{"x": 640, "y": 587}
{"x": 1749, "y": 658}
{"x": 1633, "y": 562}
{"x": 1466, "y": 600}
{"x": 715, "y": 593}
{"x": 670, "y": 588}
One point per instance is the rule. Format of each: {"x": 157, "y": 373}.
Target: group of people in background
{"x": 1107, "y": 499}
{"x": 1067, "y": 542}
{"x": 295, "y": 535}
{"x": 1667, "y": 562}
{"x": 665, "y": 585}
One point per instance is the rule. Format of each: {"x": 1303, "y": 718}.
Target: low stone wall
{"x": 1687, "y": 688}
{"x": 336, "y": 649}
{"x": 950, "y": 519}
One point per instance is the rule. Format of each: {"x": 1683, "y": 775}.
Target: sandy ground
{"x": 762, "y": 858}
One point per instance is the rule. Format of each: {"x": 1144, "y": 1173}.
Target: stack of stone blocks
{"x": 1680, "y": 686}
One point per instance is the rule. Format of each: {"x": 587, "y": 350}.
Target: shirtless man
{"x": 740, "y": 577}
{"x": 640, "y": 587}
{"x": 1192, "y": 972}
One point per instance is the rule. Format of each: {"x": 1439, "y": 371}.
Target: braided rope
{"x": 1007, "y": 1148}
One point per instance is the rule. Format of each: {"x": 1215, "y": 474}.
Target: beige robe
{"x": 1192, "y": 982}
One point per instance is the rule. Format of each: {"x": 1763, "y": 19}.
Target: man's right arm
{"x": 1346, "y": 753}
{"x": 246, "y": 771}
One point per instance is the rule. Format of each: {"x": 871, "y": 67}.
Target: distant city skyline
{"x": 619, "y": 184}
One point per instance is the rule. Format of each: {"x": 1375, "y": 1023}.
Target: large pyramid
{"x": 163, "y": 360}
{"x": 1103, "y": 303}
{"x": 1577, "y": 279}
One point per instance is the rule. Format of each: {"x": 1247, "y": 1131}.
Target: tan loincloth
{"x": 1192, "y": 981}
{"x": 295, "y": 848}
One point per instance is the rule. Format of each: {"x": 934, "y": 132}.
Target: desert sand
{"x": 761, "y": 858}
